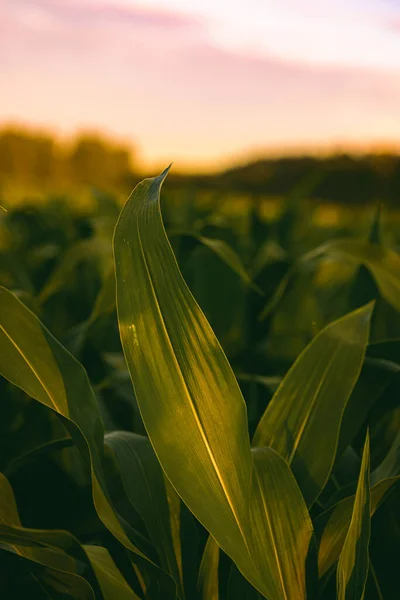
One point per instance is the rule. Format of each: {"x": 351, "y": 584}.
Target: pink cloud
{"x": 90, "y": 14}
{"x": 393, "y": 24}
{"x": 156, "y": 78}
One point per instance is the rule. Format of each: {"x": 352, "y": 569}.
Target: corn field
{"x": 199, "y": 401}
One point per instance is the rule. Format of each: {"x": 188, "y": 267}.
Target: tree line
{"x": 28, "y": 156}
{"x": 35, "y": 157}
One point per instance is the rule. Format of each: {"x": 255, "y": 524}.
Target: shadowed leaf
{"x": 145, "y": 488}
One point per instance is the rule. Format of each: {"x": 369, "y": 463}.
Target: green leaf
{"x": 270, "y": 252}
{"x": 12, "y": 532}
{"x": 194, "y": 412}
{"x": 296, "y": 318}
{"x": 49, "y": 548}
{"x": 374, "y": 581}
{"x": 278, "y": 295}
{"x": 105, "y": 300}
{"x": 208, "y": 572}
{"x": 183, "y": 382}
{"x": 375, "y": 378}
{"x": 282, "y": 533}
{"x": 32, "y": 359}
{"x": 104, "y": 304}
{"x": 112, "y": 583}
{"x": 311, "y": 399}
{"x": 175, "y": 514}
{"x": 46, "y": 550}
{"x": 144, "y": 485}
{"x": 281, "y": 526}
{"x": 53, "y": 583}
{"x": 332, "y": 525}
{"x": 82, "y": 251}
{"x": 36, "y": 452}
{"x": 390, "y": 466}
{"x": 352, "y": 570}
{"x": 384, "y": 264}
{"x": 221, "y": 249}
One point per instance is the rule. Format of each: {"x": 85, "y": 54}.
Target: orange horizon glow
{"x": 185, "y": 166}
{"x": 205, "y": 84}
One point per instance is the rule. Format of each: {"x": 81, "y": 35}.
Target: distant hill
{"x": 337, "y": 178}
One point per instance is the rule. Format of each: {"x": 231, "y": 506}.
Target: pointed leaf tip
{"x": 368, "y": 309}
{"x": 164, "y": 174}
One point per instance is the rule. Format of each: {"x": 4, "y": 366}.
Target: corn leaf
{"x": 92, "y": 249}
{"x": 281, "y": 526}
{"x": 183, "y": 382}
{"x": 186, "y": 390}
{"x": 383, "y": 263}
{"x": 221, "y": 249}
{"x": 311, "y": 400}
{"x": 144, "y": 485}
{"x": 104, "y": 304}
{"x": 390, "y": 466}
{"x": 112, "y": 583}
{"x": 34, "y": 453}
{"x": 175, "y": 514}
{"x": 50, "y": 548}
{"x": 332, "y": 526}
{"x": 208, "y": 572}
{"x": 53, "y": 583}
{"x": 32, "y": 359}
{"x": 375, "y": 378}
{"x": 352, "y": 569}
{"x": 105, "y": 300}
{"x": 44, "y": 551}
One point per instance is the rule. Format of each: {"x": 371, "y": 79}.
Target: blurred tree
{"x": 95, "y": 161}
{"x": 27, "y": 156}
{"x": 35, "y": 157}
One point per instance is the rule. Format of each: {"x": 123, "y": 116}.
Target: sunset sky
{"x": 198, "y": 82}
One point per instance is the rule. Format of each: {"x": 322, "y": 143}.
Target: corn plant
{"x": 193, "y": 507}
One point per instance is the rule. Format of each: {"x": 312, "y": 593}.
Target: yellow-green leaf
{"x": 311, "y": 399}
{"x": 44, "y": 550}
{"x": 281, "y": 527}
{"x": 82, "y": 251}
{"x": 352, "y": 569}
{"x": 190, "y": 401}
{"x": 32, "y": 359}
{"x": 221, "y": 249}
{"x": 383, "y": 263}
{"x": 208, "y": 572}
{"x": 112, "y": 583}
{"x": 194, "y": 412}
{"x": 49, "y": 549}
{"x": 333, "y": 524}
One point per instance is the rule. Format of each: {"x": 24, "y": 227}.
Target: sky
{"x": 205, "y": 82}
